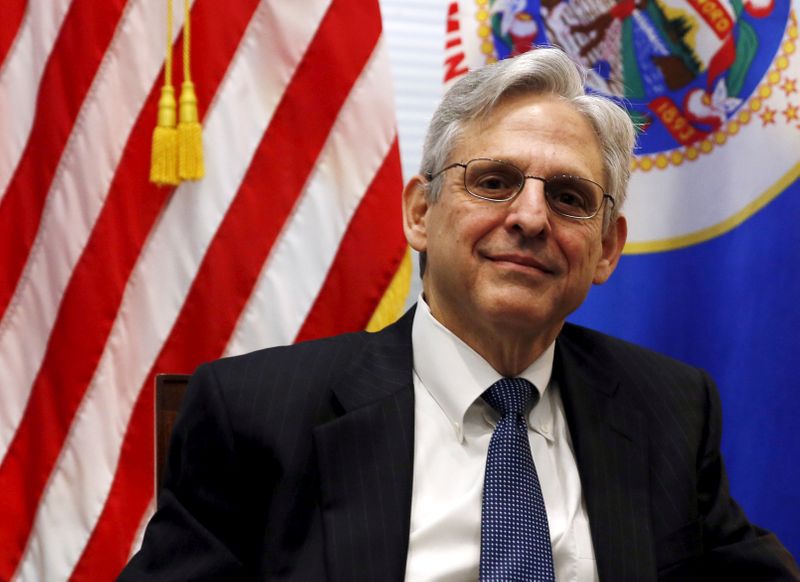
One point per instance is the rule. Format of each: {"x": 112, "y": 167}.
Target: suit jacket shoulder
{"x": 646, "y": 431}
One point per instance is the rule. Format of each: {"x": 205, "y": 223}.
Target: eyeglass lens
{"x": 567, "y": 195}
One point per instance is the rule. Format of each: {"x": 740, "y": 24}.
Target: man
{"x": 397, "y": 455}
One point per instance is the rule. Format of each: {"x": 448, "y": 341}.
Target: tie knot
{"x": 510, "y": 395}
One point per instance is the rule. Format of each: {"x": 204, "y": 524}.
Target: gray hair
{"x": 539, "y": 71}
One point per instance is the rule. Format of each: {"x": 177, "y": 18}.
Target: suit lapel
{"x": 611, "y": 452}
{"x": 365, "y": 461}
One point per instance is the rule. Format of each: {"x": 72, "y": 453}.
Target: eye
{"x": 571, "y": 196}
{"x": 493, "y": 182}
{"x": 567, "y": 197}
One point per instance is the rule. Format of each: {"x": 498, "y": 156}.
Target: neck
{"x": 508, "y": 347}
{"x": 510, "y": 354}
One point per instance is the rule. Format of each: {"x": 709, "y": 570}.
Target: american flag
{"x": 107, "y": 279}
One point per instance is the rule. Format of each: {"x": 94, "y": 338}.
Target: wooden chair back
{"x": 170, "y": 389}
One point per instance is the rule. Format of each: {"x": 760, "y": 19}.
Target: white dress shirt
{"x": 452, "y": 429}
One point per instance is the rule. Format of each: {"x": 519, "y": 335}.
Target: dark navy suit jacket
{"x": 295, "y": 463}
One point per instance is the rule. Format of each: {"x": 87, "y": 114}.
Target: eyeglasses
{"x": 498, "y": 181}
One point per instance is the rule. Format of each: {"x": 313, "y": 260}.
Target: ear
{"x": 415, "y": 213}
{"x": 613, "y": 243}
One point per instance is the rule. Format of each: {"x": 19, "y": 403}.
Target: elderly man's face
{"x": 516, "y": 266}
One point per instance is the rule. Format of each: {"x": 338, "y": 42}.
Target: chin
{"x": 517, "y": 314}
{"x": 520, "y": 309}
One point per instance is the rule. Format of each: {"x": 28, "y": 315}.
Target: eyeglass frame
{"x": 431, "y": 176}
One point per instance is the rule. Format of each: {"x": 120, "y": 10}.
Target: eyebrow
{"x": 569, "y": 172}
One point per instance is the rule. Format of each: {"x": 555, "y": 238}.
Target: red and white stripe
{"x": 106, "y": 279}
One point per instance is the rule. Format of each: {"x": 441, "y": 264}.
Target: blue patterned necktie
{"x": 515, "y": 538}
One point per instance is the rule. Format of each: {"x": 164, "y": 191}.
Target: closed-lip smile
{"x": 520, "y": 259}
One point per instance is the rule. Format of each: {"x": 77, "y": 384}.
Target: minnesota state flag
{"x": 711, "y": 272}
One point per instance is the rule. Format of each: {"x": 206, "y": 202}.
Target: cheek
{"x": 464, "y": 231}
{"x": 582, "y": 252}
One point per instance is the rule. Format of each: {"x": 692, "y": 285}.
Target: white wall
{"x": 414, "y": 31}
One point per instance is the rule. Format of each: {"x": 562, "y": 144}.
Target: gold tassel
{"x": 164, "y": 159}
{"x": 190, "y": 132}
{"x": 190, "y": 136}
{"x": 164, "y": 154}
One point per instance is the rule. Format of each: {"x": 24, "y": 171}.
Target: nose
{"x": 528, "y": 213}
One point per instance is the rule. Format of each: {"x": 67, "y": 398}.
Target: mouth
{"x": 522, "y": 262}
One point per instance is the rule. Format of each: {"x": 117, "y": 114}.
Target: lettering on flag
{"x": 670, "y": 115}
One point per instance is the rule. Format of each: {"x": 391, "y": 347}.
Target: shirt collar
{"x": 454, "y": 374}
